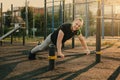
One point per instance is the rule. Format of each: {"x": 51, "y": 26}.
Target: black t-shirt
{"x": 66, "y": 28}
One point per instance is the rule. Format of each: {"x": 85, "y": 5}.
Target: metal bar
{"x": 86, "y": 27}
{"x": 45, "y": 19}
{"x": 26, "y": 8}
{"x": 98, "y": 35}
{"x": 73, "y": 39}
{"x": 63, "y": 19}
{"x": 11, "y": 31}
{"x": 54, "y": 1}
{"x": 1, "y": 31}
{"x": 51, "y": 57}
{"x": 52, "y": 15}
{"x": 23, "y": 36}
{"x": 112, "y": 18}
{"x": 103, "y": 19}
{"x": 112, "y": 23}
{"x": 108, "y": 17}
{"x": 12, "y": 22}
{"x": 60, "y": 15}
{"x": 85, "y": 2}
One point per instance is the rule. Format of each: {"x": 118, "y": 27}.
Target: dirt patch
{"x": 14, "y": 64}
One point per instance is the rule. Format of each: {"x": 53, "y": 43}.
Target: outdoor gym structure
{"x": 100, "y": 17}
{"x": 16, "y": 27}
{"x": 52, "y": 57}
{"x": 98, "y": 34}
{"x": 17, "y": 24}
{"x": 61, "y": 3}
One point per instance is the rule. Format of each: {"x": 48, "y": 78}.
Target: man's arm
{"x": 84, "y": 44}
{"x": 59, "y": 43}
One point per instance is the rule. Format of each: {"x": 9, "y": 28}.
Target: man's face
{"x": 77, "y": 25}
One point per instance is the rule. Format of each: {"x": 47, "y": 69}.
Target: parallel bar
{"x": 108, "y": 17}
{"x": 51, "y": 57}
{"x": 52, "y": 15}
{"x": 52, "y": 2}
{"x": 1, "y": 30}
{"x": 103, "y": 19}
{"x": 12, "y": 22}
{"x": 115, "y": 74}
{"x": 87, "y": 20}
{"x": 45, "y": 19}
{"x": 111, "y": 18}
{"x": 23, "y": 37}
{"x": 85, "y": 2}
{"x": 73, "y": 39}
{"x": 98, "y": 35}
{"x": 27, "y": 26}
{"x": 63, "y": 20}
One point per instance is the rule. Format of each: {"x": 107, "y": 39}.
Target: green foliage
{"x": 39, "y": 24}
{"x": 7, "y": 19}
{"x": 30, "y": 18}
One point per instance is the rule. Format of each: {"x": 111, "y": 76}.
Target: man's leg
{"x": 40, "y": 47}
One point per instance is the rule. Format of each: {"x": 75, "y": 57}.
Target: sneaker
{"x": 32, "y": 56}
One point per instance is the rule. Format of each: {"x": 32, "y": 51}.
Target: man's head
{"x": 77, "y": 24}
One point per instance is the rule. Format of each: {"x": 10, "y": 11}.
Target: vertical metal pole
{"x": 12, "y": 22}
{"x": 73, "y": 39}
{"x": 63, "y": 10}
{"x": 86, "y": 28}
{"x": 26, "y": 8}
{"x": 63, "y": 18}
{"x": 23, "y": 36}
{"x": 102, "y": 19}
{"x": 112, "y": 23}
{"x": 33, "y": 25}
{"x": 69, "y": 11}
{"x": 4, "y": 17}
{"x": 98, "y": 35}
{"x": 60, "y": 14}
{"x": 51, "y": 57}
{"x": 88, "y": 22}
{"x": 12, "y": 12}
{"x": 52, "y": 15}
{"x": 1, "y": 31}
{"x": 118, "y": 29}
{"x": 45, "y": 19}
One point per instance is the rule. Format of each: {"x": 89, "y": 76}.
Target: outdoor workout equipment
{"x": 51, "y": 57}
{"x": 98, "y": 43}
{"x": 52, "y": 12}
{"x": 16, "y": 27}
{"x": 98, "y": 35}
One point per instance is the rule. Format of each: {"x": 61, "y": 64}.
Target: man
{"x": 59, "y": 36}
